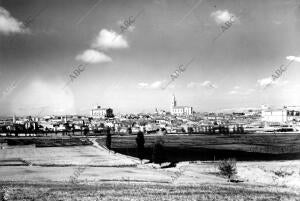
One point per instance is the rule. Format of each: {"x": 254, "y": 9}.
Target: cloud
{"x": 207, "y": 84}
{"x": 281, "y": 83}
{"x": 156, "y": 84}
{"x": 277, "y": 22}
{"x": 143, "y": 85}
{"x": 240, "y": 92}
{"x": 193, "y": 85}
{"x": 222, "y": 16}
{"x": 9, "y": 24}
{"x": 265, "y": 82}
{"x": 129, "y": 28}
{"x": 93, "y": 56}
{"x": 109, "y": 40}
{"x": 293, "y": 58}
{"x": 233, "y": 92}
{"x": 153, "y": 85}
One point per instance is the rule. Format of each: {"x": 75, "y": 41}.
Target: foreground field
{"x": 63, "y": 156}
{"x": 132, "y": 191}
{"x": 44, "y": 174}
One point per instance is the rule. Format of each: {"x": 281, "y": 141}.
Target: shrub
{"x": 158, "y": 154}
{"x": 228, "y": 168}
{"x": 5, "y": 193}
{"x": 281, "y": 173}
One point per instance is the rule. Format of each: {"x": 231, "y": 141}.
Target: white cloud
{"x": 122, "y": 23}
{"x": 207, "y": 84}
{"x": 131, "y": 28}
{"x": 156, "y": 84}
{"x": 293, "y": 58}
{"x": 233, "y": 92}
{"x": 236, "y": 87}
{"x": 9, "y": 24}
{"x": 143, "y": 85}
{"x": 109, "y": 39}
{"x": 282, "y": 83}
{"x": 193, "y": 85}
{"x": 265, "y": 82}
{"x": 93, "y": 56}
{"x": 241, "y": 92}
{"x": 153, "y": 85}
{"x": 222, "y": 16}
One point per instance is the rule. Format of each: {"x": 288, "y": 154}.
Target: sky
{"x": 67, "y": 56}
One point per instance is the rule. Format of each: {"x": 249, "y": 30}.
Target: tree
{"x": 108, "y": 138}
{"x": 109, "y": 113}
{"x": 158, "y": 154}
{"x": 228, "y": 168}
{"x": 140, "y": 141}
{"x": 86, "y": 131}
{"x": 209, "y": 130}
{"x": 129, "y": 130}
{"x": 73, "y": 129}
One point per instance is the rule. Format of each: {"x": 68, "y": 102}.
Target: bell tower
{"x": 174, "y": 103}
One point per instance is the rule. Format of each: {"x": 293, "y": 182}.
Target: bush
{"x": 228, "y": 168}
{"x": 158, "y": 154}
{"x": 281, "y": 173}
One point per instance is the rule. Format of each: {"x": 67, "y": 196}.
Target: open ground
{"x": 28, "y": 172}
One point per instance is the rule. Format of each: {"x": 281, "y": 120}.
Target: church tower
{"x": 174, "y": 104}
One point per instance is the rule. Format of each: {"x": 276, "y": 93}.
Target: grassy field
{"x": 258, "y": 143}
{"x": 61, "y": 156}
{"x": 112, "y": 176}
{"x": 50, "y": 142}
{"x": 133, "y": 191}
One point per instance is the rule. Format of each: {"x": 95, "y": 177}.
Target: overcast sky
{"x": 43, "y": 42}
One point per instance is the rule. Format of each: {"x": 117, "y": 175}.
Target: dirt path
{"x": 103, "y": 148}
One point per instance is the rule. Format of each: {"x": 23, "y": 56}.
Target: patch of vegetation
{"x": 158, "y": 154}
{"x": 146, "y": 192}
{"x": 281, "y": 173}
{"x": 50, "y": 142}
{"x": 228, "y": 168}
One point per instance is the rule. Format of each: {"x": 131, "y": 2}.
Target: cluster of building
{"x": 180, "y": 119}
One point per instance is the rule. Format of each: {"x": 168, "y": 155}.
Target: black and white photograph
{"x": 143, "y": 100}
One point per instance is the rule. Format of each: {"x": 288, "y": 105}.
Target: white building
{"x": 101, "y": 112}
{"x": 180, "y": 110}
{"x": 284, "y": 115}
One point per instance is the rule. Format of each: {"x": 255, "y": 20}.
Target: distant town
{"x": 179, "y": 120}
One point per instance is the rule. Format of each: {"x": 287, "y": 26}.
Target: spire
{"x": 14, "y": 118}
{"x": 174, "y": 101}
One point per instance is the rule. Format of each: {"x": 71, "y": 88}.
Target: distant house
{"x": 284, "y": 115}
{"x": 102, "y": 112}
